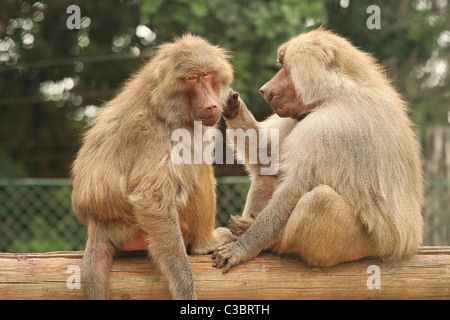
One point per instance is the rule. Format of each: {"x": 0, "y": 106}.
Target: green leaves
{"x": 251, "y": 30}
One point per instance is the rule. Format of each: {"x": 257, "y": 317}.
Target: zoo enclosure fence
{"x": 36, "y": 214}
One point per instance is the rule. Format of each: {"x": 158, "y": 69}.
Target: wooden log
{"x": 425, "y": 275}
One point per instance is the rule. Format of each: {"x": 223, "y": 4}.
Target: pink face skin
{"x": 202, "y": 96}
{"x": 280, "y": 93}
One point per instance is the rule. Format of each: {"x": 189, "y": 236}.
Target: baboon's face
{"x": 280, "y": 93}
{"x": 202, "y": 94}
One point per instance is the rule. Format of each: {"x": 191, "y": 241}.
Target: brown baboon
{"x": 350, "y": 180}
{"x": 126, "y": 188}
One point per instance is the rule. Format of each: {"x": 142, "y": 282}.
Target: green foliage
{"x": 251, "y": 30}
{"x": 9, "y": 168}
{"x": 405, "y": 44}
{"x": 40, "y": 134}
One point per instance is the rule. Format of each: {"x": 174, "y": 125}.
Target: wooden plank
{"x": 425, "y": 275}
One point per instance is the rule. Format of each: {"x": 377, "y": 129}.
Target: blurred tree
{"x": 251, "y": 30}
{"x": 50, "y": 75}
{"x": 413, "y": 43}
{"x": 52, "y": 79}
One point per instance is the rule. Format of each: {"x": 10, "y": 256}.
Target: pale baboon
{"x": 126, "y": 188}
{"x": 350, "y": 180}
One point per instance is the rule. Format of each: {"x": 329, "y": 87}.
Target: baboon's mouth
{"x": 210, "y": 117}
{"x": 210, "y": 120}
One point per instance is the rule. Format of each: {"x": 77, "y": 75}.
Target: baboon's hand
{"x": 231, "y": 108}
{"x": 230, "y": 255}
{"x": 221, "y": 236}
{"x": 224, "y": 236}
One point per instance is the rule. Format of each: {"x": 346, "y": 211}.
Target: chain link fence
{"x": 36, "y": 214}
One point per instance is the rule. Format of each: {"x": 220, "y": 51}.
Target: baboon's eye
{"x": 192, "y": 77}
{"x": 205, "y": 74}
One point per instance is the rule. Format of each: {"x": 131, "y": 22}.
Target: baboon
{"x": 350, "y": 179}
{"x": 126, "y": 188}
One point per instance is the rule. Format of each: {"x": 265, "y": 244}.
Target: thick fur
{"x": 125, "y": 184}
{"x": 356, "y": 149}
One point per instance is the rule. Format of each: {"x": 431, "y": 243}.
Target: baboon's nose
{"x": 265, "y": 93}
{"x": 211, "y": 107}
